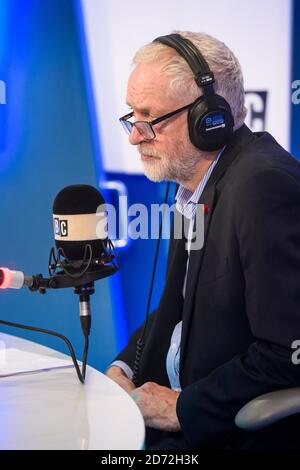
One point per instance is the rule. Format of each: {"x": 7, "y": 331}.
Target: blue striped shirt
{"x": 186, "y": 204}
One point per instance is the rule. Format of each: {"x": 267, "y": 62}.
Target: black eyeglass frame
{"x": 124, "y": 119}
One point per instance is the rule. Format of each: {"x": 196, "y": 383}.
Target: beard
{"x": 179, "y": 165}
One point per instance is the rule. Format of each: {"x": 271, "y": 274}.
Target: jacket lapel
{"x": 208, "y": 199}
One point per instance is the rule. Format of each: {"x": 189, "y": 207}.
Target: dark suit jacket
{"x": 242, "y": 307}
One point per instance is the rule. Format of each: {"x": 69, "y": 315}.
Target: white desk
{"x": 53, "y": 410}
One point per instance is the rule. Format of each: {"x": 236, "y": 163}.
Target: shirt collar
{"x": 185, "y": 198}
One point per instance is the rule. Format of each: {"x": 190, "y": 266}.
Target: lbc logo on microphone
{"x": 60, "y": 227}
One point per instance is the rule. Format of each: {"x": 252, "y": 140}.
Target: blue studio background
{"x": 47, "y": 141}
{"x": 46, "y": 144}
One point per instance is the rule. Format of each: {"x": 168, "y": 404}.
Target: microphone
{"x": 84, "y": 254}
{"x": 84, "y": 251}
{"x": 79, "y": 219}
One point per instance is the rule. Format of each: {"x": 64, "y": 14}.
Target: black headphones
{"x": 210, "y": 120}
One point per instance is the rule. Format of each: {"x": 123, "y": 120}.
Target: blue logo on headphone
{"x": 215, "y": 121}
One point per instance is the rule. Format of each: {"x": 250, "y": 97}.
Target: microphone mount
{"x": 67, "y": 273}
{"x": 64, "y": 273}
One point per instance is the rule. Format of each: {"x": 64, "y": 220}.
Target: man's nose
{"x": 135, "y": 138}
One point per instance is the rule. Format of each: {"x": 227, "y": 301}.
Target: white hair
{"x": 229, "y": 81}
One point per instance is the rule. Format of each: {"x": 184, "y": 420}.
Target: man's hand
{"x": 118, "y": 375}
{"x": 158, "y": 406}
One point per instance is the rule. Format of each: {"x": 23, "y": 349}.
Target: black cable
{"x": 84, "y": 357}
{"x": 81, "y": 375}
{"x": 85, "y": 321}
{"x": 140, "y": 341}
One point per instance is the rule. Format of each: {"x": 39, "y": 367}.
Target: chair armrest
{"x": 266, "y": 409}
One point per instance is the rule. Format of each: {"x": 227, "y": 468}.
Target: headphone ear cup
{"x": 210, "y": 123}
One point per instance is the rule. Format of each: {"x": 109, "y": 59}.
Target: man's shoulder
{"x": 263, "y": 154}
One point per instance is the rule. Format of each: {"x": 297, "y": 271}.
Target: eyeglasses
{"x": 145, "y": 128}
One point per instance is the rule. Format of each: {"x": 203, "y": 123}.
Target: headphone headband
{"x": 204, "y": 77}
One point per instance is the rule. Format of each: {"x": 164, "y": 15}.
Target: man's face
{"x": 171, "y": 155}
